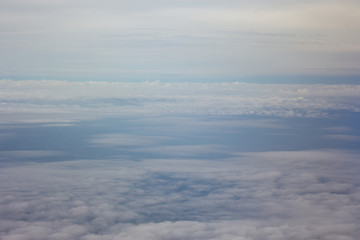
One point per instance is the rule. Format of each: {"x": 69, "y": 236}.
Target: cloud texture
{"x": 272, "y": 195}
{"x": 64, "y": 102}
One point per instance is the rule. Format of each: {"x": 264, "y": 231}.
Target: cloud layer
{"x": 272, "y": 195}
{"x": 64, "y": 102}
{"x": 154, "y": 160}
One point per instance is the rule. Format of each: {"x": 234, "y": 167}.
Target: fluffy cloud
{"x": 272, "y": 195}
{"x": 64, "y": 102}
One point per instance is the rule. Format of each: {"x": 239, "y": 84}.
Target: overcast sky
{"x": 178, "y": 40}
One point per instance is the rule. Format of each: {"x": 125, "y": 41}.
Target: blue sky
{"x": 179, "y": 40}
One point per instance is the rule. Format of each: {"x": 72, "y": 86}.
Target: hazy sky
{"x": 178, "y": 40}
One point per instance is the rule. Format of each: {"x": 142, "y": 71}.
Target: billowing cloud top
{"x": 267, "y": 195}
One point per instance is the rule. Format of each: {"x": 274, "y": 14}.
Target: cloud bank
{"x": 263, "y": 195}
{"x": 65, "y": 102}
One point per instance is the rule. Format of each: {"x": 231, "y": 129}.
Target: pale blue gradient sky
{"x": 179, "y": 40}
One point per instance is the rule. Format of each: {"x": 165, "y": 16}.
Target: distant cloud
{"x": 158, "y": 145}
{"x": 118, "y": 139}
{"x": 184, "y": 150}
{"x": 61, "y": 102}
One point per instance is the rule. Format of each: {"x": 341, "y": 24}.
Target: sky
{"x": 164, "y": 120}
{"x": 180, "y": 40}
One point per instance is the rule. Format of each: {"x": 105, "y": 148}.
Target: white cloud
{"x": 264, "y": 195}
{"x": 65, "y": 102}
